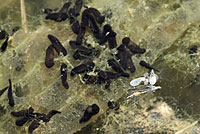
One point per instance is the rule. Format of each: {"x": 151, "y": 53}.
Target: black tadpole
{"x": 4, "y": 45}
{"x": 3, "y": 34}
{"x": 22, "y": 121}
{"x": 10, "y": 94}
{"x": 63, "y": 71}
{"x": 77, "y": 7}
{"x": 74, "y": 25}
{"x": 3, "y": 90}
{"x": 49, "y": 59}
{"x": 89, "y": 112}
{"x": 97, "y": 15}
{"x": 146, "y": 65}
{"x": 57, "y": 45}
{"x": 35, "y": 124}
{"x": 88, "y": 66}
{"x": 29, "y": 115}
{"x": 57, "y": 17}
{"x": 115, "y": 66}
{"x": 65, "y": 7}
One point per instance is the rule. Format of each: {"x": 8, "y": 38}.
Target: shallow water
{"x": 177, "y": 77}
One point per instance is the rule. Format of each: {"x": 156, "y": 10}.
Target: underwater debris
{"x": 57, "y": 45}
{"x": 152, "y": 79}
{"x": 192, "y": 51}
{"x": 113, "y": 105}
{"x": 15, "y": 29}
{"x": 89, "y": 112}
{"x": 20, "y": 65}
{"x": 10, "y": 94}
{"x": 149, "y": 82}
{"x": 63, "y": 70}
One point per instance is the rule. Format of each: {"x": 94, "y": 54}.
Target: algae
{"x": 165, "y": 28}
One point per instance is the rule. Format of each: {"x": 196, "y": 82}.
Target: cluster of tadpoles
{"x": 120, "y": 62}
{"x": 29, "y": 115}
{"x": 91, "y": 19}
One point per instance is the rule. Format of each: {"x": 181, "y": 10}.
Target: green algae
{"x": 156, "y": 25}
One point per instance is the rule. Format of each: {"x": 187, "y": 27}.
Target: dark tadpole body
{"x": 57, "y": 45}
{"x": 10, "y": 94}
{"x": 77, "y": 55}
{"x": 58, "y": 17}
{"x": 3, "y": 34}
{"x": 115, "y": 66}
{"x": 77, "y": 7}
{"x": 22, "y": 121}
{"x": 49, "y": 59}
{"x": 97, "y": 15}
{"x": 90, "y": 79}
{"x": 132, "y": 46}
{"x": 47, "y": 10}
{"x": 106, "y": 30}
{"x": 4, "y": 45}
{"x": 89, "y": 112}
{"x": 21, "y": 113}
{"x": 88, "y": 66}
{"x": 125, "y": 59}
{"x": 106, "y": 76}
{"x": 111, "y": 37}
{"x": 35, "y": 124}
{"x": 93, "y": 25}
{"x": 147, "y": 65}
{"x": 65, "y": 8}
{"x": 80, "y": 36}
{"x": 74, "y": 25}
{"x": 84, "y": 19}
{"x": 3, "y": 90}
{"x": 52, "y": 113}
{"x": 63, "y": 70}
{"x": 130, "y": 65}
